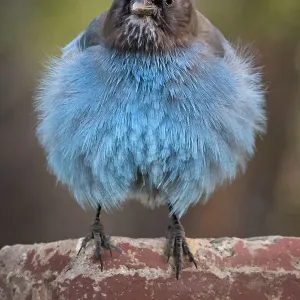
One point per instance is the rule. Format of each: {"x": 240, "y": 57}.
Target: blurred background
{"x": 33, "y": 208}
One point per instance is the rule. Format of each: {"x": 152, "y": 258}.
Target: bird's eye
{"x": 169, "y": 2}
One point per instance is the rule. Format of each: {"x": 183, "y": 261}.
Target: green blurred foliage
{"x": 55, "y": 23}
{"x": 259, "y": 18}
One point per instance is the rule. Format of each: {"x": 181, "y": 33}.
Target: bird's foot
{"x": 177, "y": 246}
{"x": 100, "y": 239}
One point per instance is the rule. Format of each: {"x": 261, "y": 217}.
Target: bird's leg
{"x": 100, "y": 239}
{"x": 177, "y": 244}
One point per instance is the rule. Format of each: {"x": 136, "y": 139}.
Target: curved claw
{"x": 178, "y": 269}
{"x": 187, "y": 252}
{"x": 117, "y": 249}
{"x": 108, "y": 247}
{"x": 79, "y": 251}
{"x": 195, "y": 264}
{"x": 178, "y": 246}
{"x": 100, "y": 240}
{"x": 84, "y": 243}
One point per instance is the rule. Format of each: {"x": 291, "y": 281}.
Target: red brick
{"x": 254, "y": 269}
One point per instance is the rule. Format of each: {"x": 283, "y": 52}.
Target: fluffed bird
{"x": 152, "y": 103}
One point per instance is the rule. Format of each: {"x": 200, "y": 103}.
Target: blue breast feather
{"x": 185, "y": 120}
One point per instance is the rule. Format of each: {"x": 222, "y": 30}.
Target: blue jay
{"x": 150, "y": 103}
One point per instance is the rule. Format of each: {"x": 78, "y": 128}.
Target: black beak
{"x": 143, "y": 8}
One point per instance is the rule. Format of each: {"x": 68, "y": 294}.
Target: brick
{"x": 262, "y": 268}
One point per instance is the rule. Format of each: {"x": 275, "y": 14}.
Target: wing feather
{"x": 92, "y": 36}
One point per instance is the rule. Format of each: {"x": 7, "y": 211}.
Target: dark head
{"x": 150, "y": 25}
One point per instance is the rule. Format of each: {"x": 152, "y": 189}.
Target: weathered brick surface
{"x": 254, "y": 269}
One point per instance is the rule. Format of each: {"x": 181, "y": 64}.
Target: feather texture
{"x": 117, "y": 125}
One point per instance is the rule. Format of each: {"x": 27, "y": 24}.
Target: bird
{"x": 149, "y": 103}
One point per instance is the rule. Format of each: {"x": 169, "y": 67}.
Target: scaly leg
{"x": 100, "y": 239}
{"x": 177, "y": 244}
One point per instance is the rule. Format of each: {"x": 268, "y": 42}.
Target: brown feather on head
{"x": 152, "y": 26}
{"x": 157, "y": 25}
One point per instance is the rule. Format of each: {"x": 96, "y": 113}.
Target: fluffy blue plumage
{"x": 149, "y": 102}
{"x": 186, "y": 120}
